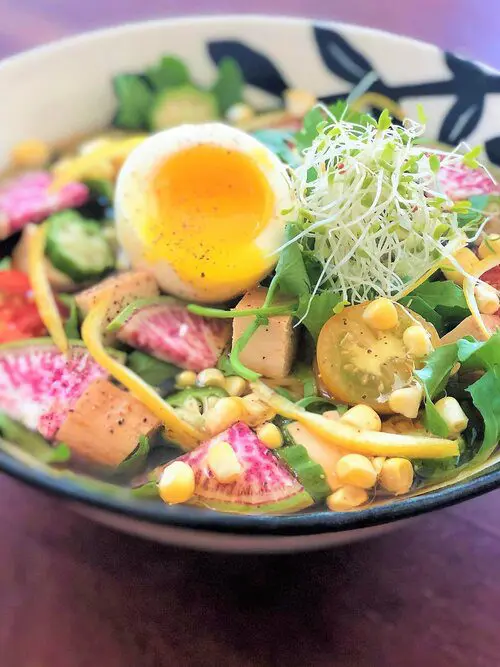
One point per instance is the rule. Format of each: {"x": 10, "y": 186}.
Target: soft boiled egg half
{"x": 201, "y": 206}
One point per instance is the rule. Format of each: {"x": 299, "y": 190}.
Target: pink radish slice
{"x": 492, "y": 277}
{"x": 459, "y": 181}
{"x": 265, "y": 484}
{"x": 28, "y": 198}
{"x": 39, "y": 385}
{"x": 168, "y": 331}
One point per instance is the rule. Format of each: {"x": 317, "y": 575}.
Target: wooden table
{"x": 73, "y": 594}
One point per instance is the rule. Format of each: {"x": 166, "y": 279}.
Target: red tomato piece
{"x": 19, "y": 316}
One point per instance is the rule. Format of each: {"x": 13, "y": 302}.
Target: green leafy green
{"x": 485, "y": 394}
{"x": 136, "y": 460}
{"x": 228, "y": 89}
{"x": 476, "y": 354}
{"x": 291, "y": 272}
{"x": 135, "y": 98}
{"x": 309, "y": 473}
{"x": 440, "y": 302}
{"x": 278, "y": 141}
{"x": 72, "y": 322}
{"x": 304, "y": 373}
{"x": 169, "y": 72}
{"x": 421, "y": 307}
{"x": 433, "y": 378}
{"x": 32, "y": 443}
{"x": 100, "y": 187}
{"x": 317, "y": 311}
{"x": 151, "y": 370}
{"x": 5, "y": 263}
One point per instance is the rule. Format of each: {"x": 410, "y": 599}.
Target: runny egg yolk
{"x": 210, "y": 204}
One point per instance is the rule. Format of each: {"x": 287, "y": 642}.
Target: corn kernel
{"x": 31, "y": 153}
{"x": 356, "y": 470}
{"x": 225, "y": 413}
{"x": 377, "y": 463}
{"x": 298, "y": 102}
{"x": 256, "y": 412}
{"x": 466, "y": 259}
{"x": 381, "y": 314}
{"x": 185, "y": 379}
{"x": 235, "y": 386}
{"x": 333, "y": 415}
{"x": 176, "y": 483}
{"x": 237, "y": 113}
{"x": 346, "y": 498}
{"x": 450, "y": 410}
{"x": 362, "y": 417}
{"x": 406, "y": 401}
{"x": 270, "y": 435}
{"x": 223, "y": 462}
{"x": 396, "y": 475}
{"x": 211, "y": 377}
{"x": 487, "y": 299}
{"x": 489, "y": 246}
{"x": 417, "y": 341}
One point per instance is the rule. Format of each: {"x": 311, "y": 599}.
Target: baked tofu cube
{"x": 121, "y": 289}
{"x": 106, "y": 423}
{"x": 271, "y": 349}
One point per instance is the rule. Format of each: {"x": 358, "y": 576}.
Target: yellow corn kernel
{"x": 381, "y": 314}
{"x": 240, "y": 112}
{"x": 356, "y": 470}
{"x": 256, "y": 412}
{"x": 450, "y": 410}
{"x": 223, "y": 462}
{"x": 31, "y": 153}
{"x": 270, "y": 435}
{"x": 332, "y": 414}
{"x": 406, "y": 401}
{"x": 185, "y": 379}
{"x": 346, "y": 498}
{"x": 417, "y": 341}
{"x": 225, "y": 413}
{"x": 467, "y": 260}
{"x": 235, "y": 386}
{"x": 176, "y": 483}
{"x": 489, "y": 246}
{"x": 377, "y": 463}
{"x": 298, "y": 102}
{"x": 487, "y": 299}
{"x": 396, "y": 475}
{"x": 362, "y": 417}
{"x": 210, "y": 377}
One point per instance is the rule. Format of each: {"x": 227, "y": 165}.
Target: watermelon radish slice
{"x": 165, "y": 329}
{"x": 459, "y": 181}
{"x": 265, "y": 485}
{"x": 39, "y": 385}
{"x": 29, "y": 199}
{"x": 492, "y": 277}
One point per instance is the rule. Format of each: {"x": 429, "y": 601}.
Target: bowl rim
{"x": 185, "y": 516}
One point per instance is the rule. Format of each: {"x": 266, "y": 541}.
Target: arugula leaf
{"x": 228, "y": 89}
{"x": 278, "y": 142}
{"x": 433, "y": 378}
{"x": 421, "y": 307}
{"x": 305, "y": 374}
{"x": 134, "y": 102}
{"x": 320, "y": 310}
{"x": 169, "y": 72}
{"x": 291, "y": 273}
{"x": 485, "y": 394}
{"x": 135, "y": 461}
{"x": 32, "y": 443}
{"x": 151, "y": 370}
{"x": 477, "y": 354}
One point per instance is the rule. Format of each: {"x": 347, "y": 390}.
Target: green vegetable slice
{"x": 152, "y": 370}
{"x": 185, "y": 104}
{"x": 310, "y": 474}
{"x": 169, "y": 72}
{"x": 136, "y": 459}
{"x": 32, "y": 443}
{"x": 200, "y": 394}
{"x": 77, "y": 246}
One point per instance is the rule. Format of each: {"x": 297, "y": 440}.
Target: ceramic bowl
{"x": 65, "y": 89}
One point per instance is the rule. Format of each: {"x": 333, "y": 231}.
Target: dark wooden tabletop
{"x": 73, "y": 594}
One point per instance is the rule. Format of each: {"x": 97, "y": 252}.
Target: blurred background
{"x": 73, "y": 594}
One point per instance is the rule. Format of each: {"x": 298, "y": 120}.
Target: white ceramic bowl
{"x": 65, "y": 88}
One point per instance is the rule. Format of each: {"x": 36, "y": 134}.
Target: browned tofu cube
{"x": 106, "y": 423}
{"x": 271, "y": 349}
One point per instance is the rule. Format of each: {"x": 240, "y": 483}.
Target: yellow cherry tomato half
{"x": 359, "y": 364}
